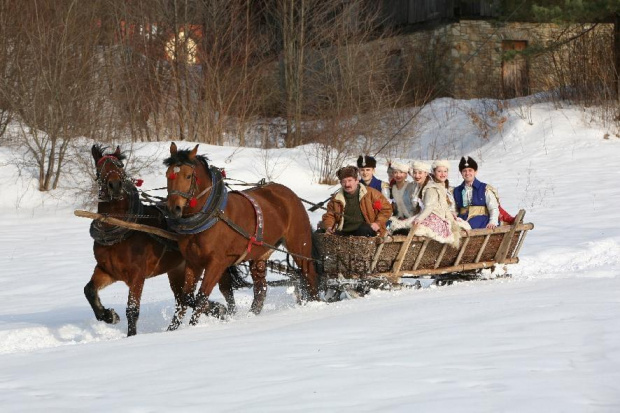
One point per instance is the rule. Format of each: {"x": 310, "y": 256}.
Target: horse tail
{"x": 236, "y": 279}
{"x": 317, "y": 257}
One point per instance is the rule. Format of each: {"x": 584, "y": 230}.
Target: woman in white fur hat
{"x": 435, "y": 219}
{"x": 402, "y": 195}
{"x": 441, "y": 169}
{"x": 412, "y": 195}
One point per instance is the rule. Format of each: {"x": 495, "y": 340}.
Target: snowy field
{"x": 547, "y": 339}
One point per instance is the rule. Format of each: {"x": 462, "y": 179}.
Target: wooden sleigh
{"x": 389, "y": 259}
{"x": 353, "y": 265}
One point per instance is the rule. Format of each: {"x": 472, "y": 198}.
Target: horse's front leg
{"x": 212, "y": 275}
{"x": 133, "y": 305}
{"x": 99, "y": 280}
{"x": 187, "y": 299}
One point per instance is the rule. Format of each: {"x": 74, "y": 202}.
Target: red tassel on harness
{"x": 223, "y": 173}
{"x": 139, "y": 182}
{"x": 172, "y": 175}
{"x": 192, "y": 202}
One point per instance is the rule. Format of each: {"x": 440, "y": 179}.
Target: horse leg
{"x": 212, "y": 274}
{"x": 226, "y": 288}
{"x": 133, "y": 305}
{"x": 176, "y": 279}
{"x": 187, "y": 296}
{"x": 99, "y": 280}
{"x": 299, "y": 247}
{"x": 258, "y": 270}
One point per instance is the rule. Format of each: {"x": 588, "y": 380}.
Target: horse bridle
{"x": 103, "y": 179}
{"x": 193, "y": 187}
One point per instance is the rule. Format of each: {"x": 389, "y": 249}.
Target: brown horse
{"x": 125, "y": 255}
{"x": 219, "y": 229}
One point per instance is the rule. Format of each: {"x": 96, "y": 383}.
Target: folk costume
{"x": 408, "y": 200}
{"x": 348, "y": 212}
{"x": 402, "y": 200}
{"x": 437, "y": 221}
{"x": 370, "y": 162}
{"x": 450, "y": 194}
{"x": 476, "y": 203}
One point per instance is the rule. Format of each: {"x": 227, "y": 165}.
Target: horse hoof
{"x": 173, "y": 325}
{"x": 110, "y": 317}
{"x": 194, "y": 320}
{"x": 217, "y": 310}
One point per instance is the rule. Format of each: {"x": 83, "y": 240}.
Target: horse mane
{"x": 102, "y": 149}
{"x": 182, "y": 157}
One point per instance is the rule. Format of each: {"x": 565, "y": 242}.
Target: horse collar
{"x": 110, "y": 235}
{"x": 209, "y": 213}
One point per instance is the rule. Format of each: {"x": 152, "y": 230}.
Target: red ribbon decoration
{"x": 377, "y": 205}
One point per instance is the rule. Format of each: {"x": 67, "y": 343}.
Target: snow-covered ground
{"x": 547, "y": 339}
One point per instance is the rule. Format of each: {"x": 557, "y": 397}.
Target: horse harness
{"x": 102, "y": 179}
{"x": 109, "y": 235}
{"x": 213, "y": 211}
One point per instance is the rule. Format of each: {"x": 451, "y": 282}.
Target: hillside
{"x": 545, "y": 339}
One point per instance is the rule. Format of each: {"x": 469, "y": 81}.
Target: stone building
{"x": 476, "y": 51}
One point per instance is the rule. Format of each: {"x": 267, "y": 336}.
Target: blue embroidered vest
{"x": 374, "y": 183}
{"x": 478, "y": 198}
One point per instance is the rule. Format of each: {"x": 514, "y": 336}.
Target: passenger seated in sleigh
{"x": 431, "y": 215}
{"x": 477, "y": 202}
{"x": 356, "y": 209}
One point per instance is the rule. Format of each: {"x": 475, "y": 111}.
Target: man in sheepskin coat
{"x": 356, "y": 209}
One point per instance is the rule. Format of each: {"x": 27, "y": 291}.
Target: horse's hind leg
{"x": 226, "y": 288}
{"x": 133, "y": 305}
{"x": 300, "y": 247}
{"x": 258, "y": 269}
{"x": 99, "y": 280}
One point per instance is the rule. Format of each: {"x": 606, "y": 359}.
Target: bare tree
{"x": 56, "y": 90}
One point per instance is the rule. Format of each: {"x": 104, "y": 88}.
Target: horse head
{"x": 110, "y": 172}
{"x": 187, "y": 176}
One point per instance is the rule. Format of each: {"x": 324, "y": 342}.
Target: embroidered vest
{"x": 478, "y": 199}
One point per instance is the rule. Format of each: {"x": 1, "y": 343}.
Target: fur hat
{"x": 348, "y": 171}
{"x": 366, "y": 162}
{"x": 442, "y": 162}
{"x": 467, "y": 162}
{"x": 401, "y": 167}
{"x": 421, "y": 166}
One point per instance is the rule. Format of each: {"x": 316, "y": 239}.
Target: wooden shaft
{"x": 119, "y": 222}
{"x": 375, "y": 259}
{"x": 502, "y": 251}
{"x": 516, "y": 253}
{"x": 461, "y": 252}
{"x": 443, "y": 251}
{"x": 464, "y": 233}
{"x": 420, "y": 254}
{"x": 484, "y": 244}
{"x": 403, "y": 250}
{"x": 444, "y": 270}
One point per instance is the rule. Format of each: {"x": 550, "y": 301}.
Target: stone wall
{"x": 473, "y": 66}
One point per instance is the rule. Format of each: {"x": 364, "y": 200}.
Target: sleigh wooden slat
{"x": 395, "y": 257}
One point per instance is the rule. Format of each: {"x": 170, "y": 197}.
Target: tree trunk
{"x": 617, "y": 52}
